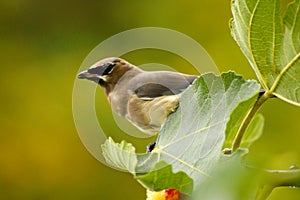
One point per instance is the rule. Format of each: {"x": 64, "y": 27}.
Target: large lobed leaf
{"x": 272, "y": 48}
{"x": 192, "y": 138}
{"x": 288, "y": 81}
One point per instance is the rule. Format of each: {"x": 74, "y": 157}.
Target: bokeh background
{"x": 42, "y": 45}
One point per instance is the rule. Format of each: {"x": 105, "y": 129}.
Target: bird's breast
{"x": 150, "y": 114}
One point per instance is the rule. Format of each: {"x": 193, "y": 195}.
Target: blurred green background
{"x": 43, "y": 44}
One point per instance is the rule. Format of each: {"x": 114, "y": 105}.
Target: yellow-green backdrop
{"x": 42, "y": 45}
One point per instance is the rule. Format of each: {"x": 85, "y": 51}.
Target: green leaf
{"x": 192, "y": 137}
{"x": 274, "y": 54}
{"x": 254, "y": 131}
{"x": 121, "y": 156}
{"x": 287, "y": 84}
{"x": 257, "y": 30}
{"x": 162, "y": 177}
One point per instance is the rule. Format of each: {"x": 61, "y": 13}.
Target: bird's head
{"x": 106, "y": 72}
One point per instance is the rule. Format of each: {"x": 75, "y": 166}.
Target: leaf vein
{"x": 186, "y": 164}
{"x": 288, "y": 66}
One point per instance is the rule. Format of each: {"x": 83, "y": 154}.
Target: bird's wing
{"x": 155, "y": 84}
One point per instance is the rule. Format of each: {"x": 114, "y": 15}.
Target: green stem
{"x": 238, "y": 137}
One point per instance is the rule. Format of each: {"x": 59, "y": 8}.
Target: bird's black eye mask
{"x": 102, "y": 70}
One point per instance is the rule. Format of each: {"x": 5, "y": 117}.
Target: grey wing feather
{"x": 155, "y": 84}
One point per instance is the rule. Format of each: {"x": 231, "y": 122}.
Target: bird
{"x": 144, "y": 98}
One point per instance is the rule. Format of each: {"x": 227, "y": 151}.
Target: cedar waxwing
{"x": 144, "y": 98}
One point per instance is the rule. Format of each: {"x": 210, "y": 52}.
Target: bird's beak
{"x": 82, "y": 75}
{"x": 89, "y": 76}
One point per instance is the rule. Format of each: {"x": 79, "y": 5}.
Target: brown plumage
{"x": 144, "y": 98}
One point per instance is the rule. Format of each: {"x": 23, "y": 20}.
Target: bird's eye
{"x": 108, "y": 67}
{"x": 102, "y": 69}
